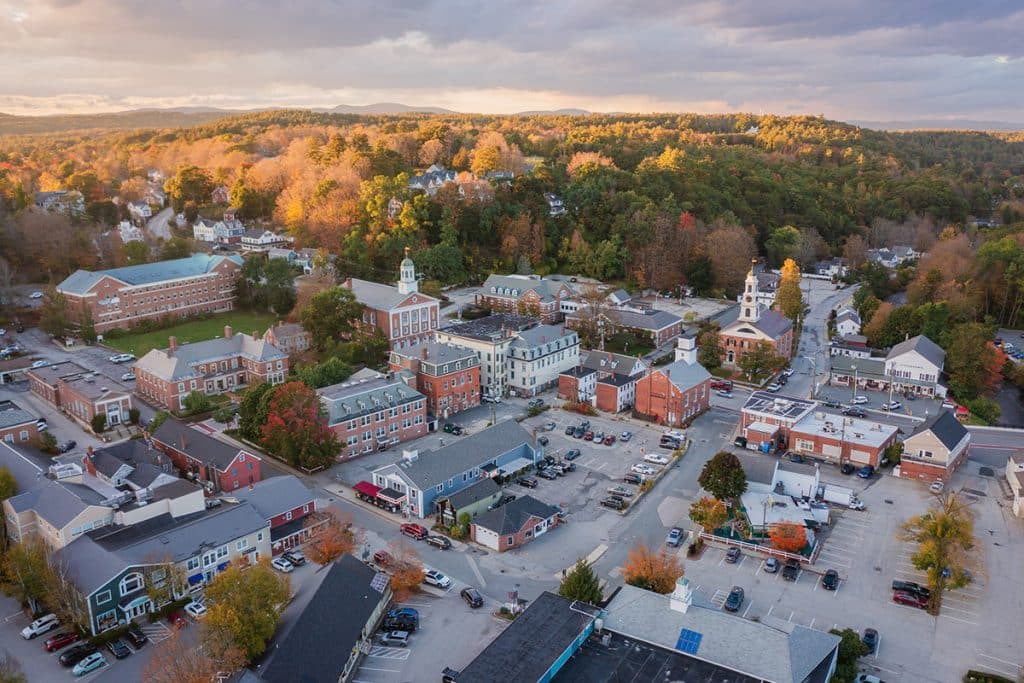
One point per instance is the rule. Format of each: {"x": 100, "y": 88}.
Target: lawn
{"x": 140, "y": 343}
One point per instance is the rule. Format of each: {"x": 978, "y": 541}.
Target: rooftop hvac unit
{"x": 66, "y": 470}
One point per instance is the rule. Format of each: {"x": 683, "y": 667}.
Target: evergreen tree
{"x": 581, "y": 583}
{"x": 723, "y": 476}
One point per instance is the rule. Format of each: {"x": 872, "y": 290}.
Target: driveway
{"x": 157, "y": 225}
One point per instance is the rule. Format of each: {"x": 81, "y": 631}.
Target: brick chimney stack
{"x": 227, "y": 332}
{"x": 172, "y": 343}
{"x": 423, "y": 353}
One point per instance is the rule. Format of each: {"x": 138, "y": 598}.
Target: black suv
{"x": 73, "y": 655}
{"x": 472, "y": 597}
{"x": 791, "y": 570}
{"x": 854, "y": 411}
{"x": 118, "y": 649}
{"x": 136, "y": 636}
{"x": 632, "y": 478}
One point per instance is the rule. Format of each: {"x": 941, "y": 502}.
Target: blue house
{"x": 499, "y": 452}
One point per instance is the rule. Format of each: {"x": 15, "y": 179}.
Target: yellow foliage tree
{"x": 788, "y": 298}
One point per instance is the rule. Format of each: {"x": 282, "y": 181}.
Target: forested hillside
{"x": 651, "y": 200}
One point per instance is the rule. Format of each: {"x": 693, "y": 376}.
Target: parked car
{"x": 42, "y": 625}
{"x": 572, "y": 454}
{"x": 788, "y": 372}
{"x": 547, "y": 473}
{"x": 472, "y": 597}
{"x": 675, "y": 537}
{"x": 39, "y": 364}
{"x": 121, "y": 358}
{"x": 535, "y": 403}
{"x": 911, "y": 587}
{"x": 295, "y": 557}
{"x": 119, "y": 649}
{"x": 867, "y": 678}
{"x": 725, "y": 384}
{"x": 831, "y": 403}
{"x": 73, "y": 655}
{"x": 177, "y": 620}
{"x": 89, "y": 663}
{"x": 452, "y": 428}
{"x": 797, "y": 458}
{"x": 830, "y": 580}
{"x": 937, "y": 486}
{"x": 542, "y": 440}
{"x": 66, "y": 446}
{"x": 432, "y": 577}
{"x": 402, "y": 619}
{"x": 36, "y": 295}
{"x": 41, "y": 425}
{"x": 383, "y": 558}
{"x": 625, "y": 436}
{"x": 791, "y": 570}
{"x": 860, "y": 400}
{"x": 773, "y": 387}
{"x": 196, "y": 610}
{"x": 136, "y": 636}
{"x": 54, "y": 643}
{"x": 578, "y": 433}
{"x": 855, "y": 504}
{"x": 866, "y": 472}
{"x": 614, "y": 502}
{"x": 128, "y": 377}
{"x": 735, "y": 600}
{"x": 609, "y": 439}
{"x": 771, "y": 565}
{"x": 892, "y": 405}
{"x": 732, "y": 555}
{"x": 415, "y": 531}
{"x": 588, "y": 436}
{"x": 656, "y": 459}
{"x": 669, "y": 442}
{"x": 740, "y": 442}
{"x": 909, "y": 599}
{"x": 528, "y": 482}
{"x": 724, "y": 394}
{"x": 847, "y": 468}
{"x": 282, "y": 565}
{"x": 566, "y": 468}
{"x": 549, "y": 426}
{"x": 569, "y": 430}
{"x": 439, "y": 542}
{"x": 633, "y": 478}
{"x": 395, "y": 638}
{"x": 620, "y": 491}
{"x": 853, "y": 411}
{"x": 640, "y": 468}
{"x": 870, "y": 638}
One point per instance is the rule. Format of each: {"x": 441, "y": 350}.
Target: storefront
{"x": 387, "y": 499}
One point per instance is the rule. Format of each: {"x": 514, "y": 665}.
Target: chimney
{"x": 423, "y": 353}
{"x": 227, "y": 332}
{"x": 682, "y": 595}
{"x": 87, "y": 462}
{"x": 172, "y": 343}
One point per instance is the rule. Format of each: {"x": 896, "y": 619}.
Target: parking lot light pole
{"x": 853, "y": 394}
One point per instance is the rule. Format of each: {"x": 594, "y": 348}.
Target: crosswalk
{"x": 156, "y": 632}
{"x": 383, "y": 652}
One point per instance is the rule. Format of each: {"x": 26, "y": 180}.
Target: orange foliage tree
{"x": 175, "y": 661}
{"x": 330, "y": 540}
{"x": 407, "y": 575}
{"x": 653, "y": 571}
{"x": 788, "y": 536}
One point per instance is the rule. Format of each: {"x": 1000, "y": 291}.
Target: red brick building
{"x": 81, "y": 393}
{"x": 166, "y": 376}
{"x": 525, "y": 295}
{"x": 449, "y": 376}
{"x": 660, "y": 327}
{"x": 607, "y": 380}
{"x": 122, "y": 297}
{"x": 935, "y": 449}
{"x": 218, "y": 465}
{"x": 513, "y": 524}
{"x": 771, "y": 417}
{"x": 292, "y": 338}
{"x": 839, "y": 439}
{"x": 373, "y": 414}
{"x": 403, "y": 314}
{"x": 673, "y": 394}
{"x": 289, "y": 506}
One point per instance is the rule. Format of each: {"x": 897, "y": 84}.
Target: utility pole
{"x": 853, "y": 393}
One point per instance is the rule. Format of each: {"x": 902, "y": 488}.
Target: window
{"x": 259, "y": 537}
{"x": 23, "y": 435}
{"x": 288, "y": 515}
{"x": 305, "y": 509}
{"x": 193, "y": 564}
{"x": 131, "y": 583}
{"x": 439, "y": 488}
{"x": 510, "y": 540}
{"x": 102, "y": 597}
{"x": 242, "y": 544}
{"x": 222, "y": 551}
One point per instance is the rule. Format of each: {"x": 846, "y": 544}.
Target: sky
{"x": 873, "y": 60}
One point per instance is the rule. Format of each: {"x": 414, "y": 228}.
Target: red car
{"x": 609, "y": 440}
{"x": 905, "y": 598}
{"x": 589, "y": 436}
{"x": 383, "y": 558}
{"x": 177, "y": 619}
{"x": 54, "y": 643}
{"x": 415, "y": 530}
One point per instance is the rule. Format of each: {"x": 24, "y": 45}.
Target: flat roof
{"x": 778, "y": 406}
{"x": 848, "y": 429}
{"x": 492, "y": 328}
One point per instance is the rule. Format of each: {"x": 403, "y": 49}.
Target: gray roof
{"x": 196, "y": 444}
{"x": 517, "y": 285}
{"x": 510, "y": 517}
{"x": 866, "y": 367}
{"x": 481, "y": 490}
{"x": 932, "y": 352}
{"x": 106, "y": 463}
{"x": 49, "y": 374}
{"x": 685, "y": 375}
{"x": 320, "y": 639}
{"x": 773, "y": 324}
{"x": 11, "y": 415}
{"x": 57, "y": 503}
{"x": 277, "y": 495}
{"x": 848, "y": 314}
{"x": 619, "y": 296}
{"x": 945, "y": 427}
{"x": 177, "y": 364}
{"x": 349, "y": 400}
{"x": 81, "y": 281}
{"x": 26, "y": 472}
{"x": 436, "y": 352}
{"x": 379, "y": 296}
{"x": 541, "y": 334}
{"x": 651, "y": 319}
{"x": 492, "y": 327}
{"x": 772, "y": 654}
{"x": 759, "y": 469}
{"x": 460, "y": 456}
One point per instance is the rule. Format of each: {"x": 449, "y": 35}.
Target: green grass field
{"x": 193, "y": 331}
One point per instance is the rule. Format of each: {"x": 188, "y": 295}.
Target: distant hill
{"x": 554, "y": 112}
{"x": 387, "y": 108}
{"x": 126, "y": 120}
{"x": 939, "y": 124}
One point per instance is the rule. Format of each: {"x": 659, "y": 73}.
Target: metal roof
{"x": 349, "y": 400}
{"x": 81, "y": 281}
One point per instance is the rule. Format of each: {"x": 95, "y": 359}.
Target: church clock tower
{"x": 749, "y": 310}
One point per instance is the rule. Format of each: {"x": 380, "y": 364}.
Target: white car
{"x": 121, "y": 358}
{"x": 788, "y": 372}
{"x": 859, "y": 400}
{"x": 36, "y": 295}
{"x": 282, "y": 565}
{"x": 196, "y": 609}
{"x": 856, "y": 504}
{"x": 640, "y": 468}
{"x": 128, "y": 377}
{"x": 40, "y": 626}
{"x": 432, "y": 577}
{"x": 937, "y": 486}
{"x": 40, "y": 364}
{"x": 892, "y": 405}
{"x": 3, "y": 331}
{"x": 773, "y": 387}
{"x": 675, "y": 434}
{"x": 656, "y": 459}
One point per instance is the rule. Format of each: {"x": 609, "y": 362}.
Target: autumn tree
{"x": 709, "y": 348}
{"x": 331, "y": 538}
{"x": 175, "y": 248}
{"x": 581, "y": 583}
{"x": 295, "y": 430}
{"x": 973, "y": 362}
{"x": 407, "y": 575}
{"x": 723, "y": 476}
{"x": 945, "y": 545}
{"x": 855, "y": 251}
{"x": 782, "y": 245}
{"x": 761, "y": 361}
{"x": 253, "y": 410}
{"x": 789, "y": 298}
{"x": 730, "y": 249}
{"x": 330, "y": 315}
{"x": 650, "y": 570}
{"x": 710, "y": 513}
{"x": 54, "y": 318}
{"x": 173, "y": 660}
{"x": 190, "y": 183}
{"x": 25, "y": 571}
{"x": 245, "y": 605}
{"x": 8, "y": 484}
{"x": 788, "y": 536}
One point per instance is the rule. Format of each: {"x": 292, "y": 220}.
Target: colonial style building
{"x": 224, "y": 231}
{"x": 673, "y": 394}
{"x": 217, "y": 464}
{"x": 81, "y": 393}
{"x": 538, "y": 355}
{"x": 167, "y": 376}
{"x": 513, "y": 524}
{"x": 657, "y": 326}
{"x": 607, "y": 380}
{"x": 292, "y": 338}
{"x": 370, "y": 415}
{"x": 122, "y": 297}
{"x": 754, "y": 326}
{"x": 288, "y": 506}
{"x": 914, "y": 365}
{"x": 490, "y": 337}
{"x": 448, "y": 375}
{"x": 847, "y": 322}
{"x": 403, "y": 314}
{"x": 935, "y": 449}
{"x": 524, "y": 294}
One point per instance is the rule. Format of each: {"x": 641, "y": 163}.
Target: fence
{"x": 764, "y": 550}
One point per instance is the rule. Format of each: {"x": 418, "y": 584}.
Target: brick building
{"x": 16, "y": 425}
{"x": 292, "y": 338}
{"x": 606, "y": 379}
{"x": 524, "y": 294}
{"x": 288, "y": 506}
{"x": 373, "y": 414}
{"x": 935, "y": 449}
{"x": 767, "y": 417}
{"x": 122, "y": 297}
{"x": 673, "y": 394}
{"x": 839, "y": 439}
{"x": 167, "y": 376}
{"x": 218, "y": 465}
{"x": 657, "y": 326}
{"x": 490, "y": 338}
{"x": 81, "y": 393}
{"x": 513, "y": 524}
{"x": 754, "y": 326}
{"x": 403, "y": 314}
{"x": 448, "y": 375}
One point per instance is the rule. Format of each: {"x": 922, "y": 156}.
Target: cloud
{"x": 843, "y": 58}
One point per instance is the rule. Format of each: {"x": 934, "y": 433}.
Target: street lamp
{"x": 814, "y": 374}
{"x": 853, "y": 393}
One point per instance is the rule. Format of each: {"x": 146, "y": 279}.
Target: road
{"x": 157, "y": 226}
{"x": 810, "y": 364}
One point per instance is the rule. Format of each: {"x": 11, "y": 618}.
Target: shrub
{"x": 788, "y": 537}
{"x": 158, "y": 420}
{"x": 224, "y": 415}
{"x": 98, "y": 423}
{"x": 133, "y": 415}
{"x": 48, "y": 443}
{"x": 197, "y": 402}
{"x": 984, "y": 409}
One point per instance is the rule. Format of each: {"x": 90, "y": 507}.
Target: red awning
{"x": 367, "y": 489}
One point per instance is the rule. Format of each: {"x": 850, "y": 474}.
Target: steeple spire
{"x": 407, "y": 275}
{"x": 749, "y": 309}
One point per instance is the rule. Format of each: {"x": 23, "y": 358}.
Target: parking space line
{"x": 747, "y": 610}
{"x": 962, "y": 621}
{"x": 370, "y": 668}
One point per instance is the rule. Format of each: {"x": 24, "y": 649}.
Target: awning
{"x": 223, "y": 565}
{"x": 194, "y": 579}
{"x": 516, "y": 465}
{"x": 391, "y": 495}
{"x": 367, "y": 489}
{"x": 126, "y": 604}
{"x": 489, "y": 467}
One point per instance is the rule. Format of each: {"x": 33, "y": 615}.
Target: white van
{"x": 39, "y": 626}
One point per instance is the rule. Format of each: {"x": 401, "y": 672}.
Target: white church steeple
{"x": 407, "y": 276}
{"x": 749, "y": 310}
